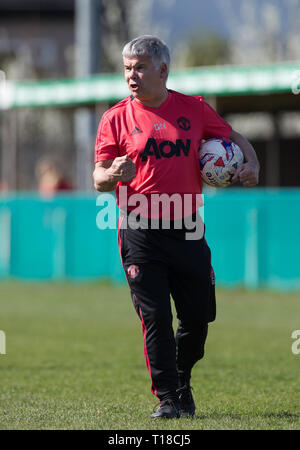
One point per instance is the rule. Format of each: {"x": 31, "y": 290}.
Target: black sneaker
{"x": 186, "y": 402}
{"x": 168, "y": 409}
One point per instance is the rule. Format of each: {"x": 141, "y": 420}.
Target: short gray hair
{"x": 148, "y": 45}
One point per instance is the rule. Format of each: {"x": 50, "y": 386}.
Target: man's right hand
{"x": 122, "y": 168}
{"x": 108, "y": 173}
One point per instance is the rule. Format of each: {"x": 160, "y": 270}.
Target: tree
{"x": 203, "y": 51}
{"x": 123, "y": 20}
{"x": 262, "y": 32}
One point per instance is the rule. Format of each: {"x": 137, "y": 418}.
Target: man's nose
{"x": 132, "y": 74}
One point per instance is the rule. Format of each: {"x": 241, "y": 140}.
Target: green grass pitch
{"x": 74, "y": 360}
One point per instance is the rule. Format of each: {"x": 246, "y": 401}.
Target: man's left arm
{"x": 248, "y": 172}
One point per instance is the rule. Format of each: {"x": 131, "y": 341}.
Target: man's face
{"x": 144, "y": 80}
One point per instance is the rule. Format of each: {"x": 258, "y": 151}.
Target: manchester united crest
{"x": 184, "y": 123}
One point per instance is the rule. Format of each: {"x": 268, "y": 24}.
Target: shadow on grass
{"x": 277, "y": 415}
{"x": 281, "y": 415}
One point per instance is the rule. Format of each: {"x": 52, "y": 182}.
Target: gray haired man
{"x": 148, "y": 144}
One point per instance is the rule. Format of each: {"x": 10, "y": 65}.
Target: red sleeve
{"x": 106, "y": 146}
{"x": 214, "y": 125}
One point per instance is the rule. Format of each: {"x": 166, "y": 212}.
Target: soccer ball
{"x": 219, "y": 158}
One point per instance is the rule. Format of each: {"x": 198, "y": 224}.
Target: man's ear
{"x": 164, "y": 70}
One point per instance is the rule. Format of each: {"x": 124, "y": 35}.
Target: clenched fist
{"x": 123, "y": 168}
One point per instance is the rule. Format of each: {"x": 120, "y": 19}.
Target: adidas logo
{"x": 135, "y": 131}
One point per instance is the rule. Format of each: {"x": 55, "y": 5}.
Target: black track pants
{"x": 159, "y": 264}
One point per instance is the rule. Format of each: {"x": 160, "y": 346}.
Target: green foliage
{"x": 205, "y": 51}
{"x": 74, "y": 360}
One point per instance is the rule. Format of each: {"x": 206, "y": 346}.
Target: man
{"x": 148, "y": 143}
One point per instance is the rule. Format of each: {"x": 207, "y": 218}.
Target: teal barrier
{"x": 253, "y": 235}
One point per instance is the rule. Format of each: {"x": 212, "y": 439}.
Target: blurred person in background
{"x": 4, "y": 186}
{"x": 149, "y": 144}
{"x": 50, "y": 177}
